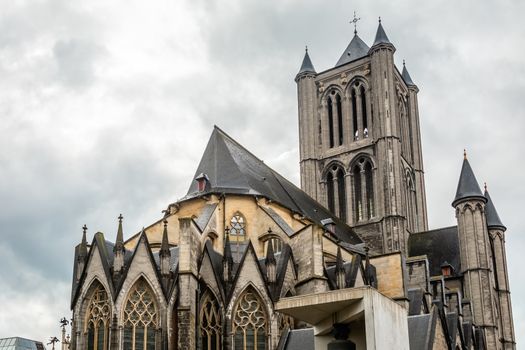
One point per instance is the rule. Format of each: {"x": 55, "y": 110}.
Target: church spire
{"x": 381, "y": 37}
{"x": 82, "y": 252}
{"x": 468, "y": 185}
{"x": 306, "y": 66}
{"x": 493, "y": 220}
{"x": 340, "y": 273}
{"x": 227, "y": 258}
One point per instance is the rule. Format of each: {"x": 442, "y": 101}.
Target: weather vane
{"x": 354, "y": 21}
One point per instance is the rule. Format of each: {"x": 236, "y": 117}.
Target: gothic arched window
{"x": 339, "y": 118}
{"x": 97, "y": 319}
{"x": 336, "y": 191}
{"x": 354, "y": 116}
{"x": 331, "y": 122}
{"x": 140, "y": 318}
{"x": 210, "y": 323}
{"x": 249, "y": 323}
{"x": 238, "y": 226}
{"x": 363, "y": 111}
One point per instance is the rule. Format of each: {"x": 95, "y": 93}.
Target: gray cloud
{"x": 106, "y": 108}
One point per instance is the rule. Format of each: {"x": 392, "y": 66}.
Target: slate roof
{"x": 416, "y": 301}
{"x": 232, "y": 169}
{"x": 468, "y": 185}
{"x": 493, "y": 219}
{"x": 438, "y": 245}
{"x": 205, "y": 215}
{"x": 300, "y": 339}
{"x": 306, "y": 66}
{"x": 406, "y": 76}
{"x": 381, "y": 37}
{"x": 355, "y": 50}
{"x": 419, "y": 331}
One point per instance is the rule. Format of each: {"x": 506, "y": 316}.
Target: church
{"x": 247, "y": 260}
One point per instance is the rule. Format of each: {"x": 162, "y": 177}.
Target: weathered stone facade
{"x": 246, "y": 258}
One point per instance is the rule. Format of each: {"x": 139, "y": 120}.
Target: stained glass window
{"x": 249, "y": 323}
{"x": 237, "y": 225}
{"x": 210, "y": 323}
{"x": 97, "y": 319}
{"x": 140, "y": 318}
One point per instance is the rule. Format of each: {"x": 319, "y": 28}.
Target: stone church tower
{"x": 360, "y": 143}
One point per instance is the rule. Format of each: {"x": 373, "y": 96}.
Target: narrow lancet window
{"x": 339, "y": 118}
{"x": 369, "y": 190}
{"x": 330, "y": 122}
{"x": 364, "y": 112}
{"x": 357, "y": 194}
{"x": 354, "y": 116}
{"x": 330, "y": 192}
{"x": 341, "y": 191}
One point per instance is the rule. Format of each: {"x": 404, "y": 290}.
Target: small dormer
{"x": 202, "y": 182}
{"x": 329, "y": 225}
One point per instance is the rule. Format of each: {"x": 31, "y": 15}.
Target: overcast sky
{"x": 106, "y": 107}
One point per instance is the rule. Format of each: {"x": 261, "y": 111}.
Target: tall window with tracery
{"x": 360, "y": 113}
{"x": 210, "y": 323}
{"x": 249, "y": 323}
{"x": 237, "y": 235}
{"x": 369, "y": 190}
{"x": 330, "y": 122}
{"x": 358, "y": 201}
{"x": 97, "y": 319}
{"x": 336, "y": 191}
{"x": 140, "y": 318}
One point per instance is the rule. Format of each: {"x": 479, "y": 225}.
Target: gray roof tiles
{"x": 381, "y": 37}
{"x": 306, "y": 66}
{"x": 406, "y": 76}
{"x": 493, "y": 219}
{"x": 438, "y": 245}
{"x": 355, "y": 50}
{"x": 468, "y": 185}
{"x": 233, "y": 169}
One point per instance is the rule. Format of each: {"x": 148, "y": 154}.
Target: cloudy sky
{"x": 106, "y": 107}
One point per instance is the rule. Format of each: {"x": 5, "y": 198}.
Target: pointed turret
{"x": 493, "y": 220}
{"x": 164, "y": 253}
{"x": 355, "y": 50}
{"x": 271, "y": 268}
{"x": 340, "y": 273}
{"x": 118, "y": 249}
{"x": 468, "y": 185}
{"x": 381, "y": 37}
{"x": 306, "y": 66}
{"x": 227, "y": 259}
{"x": 406, "y": 76}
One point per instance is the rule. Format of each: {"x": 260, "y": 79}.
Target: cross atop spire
{"x": 84, "y": 229}
{"x": 354, "y": 21}
{"x": 120, "y": 217}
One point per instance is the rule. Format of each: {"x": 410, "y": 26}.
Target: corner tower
{"x": 360, "y": 144}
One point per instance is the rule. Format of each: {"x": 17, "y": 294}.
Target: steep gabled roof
{"x": 355, "y": 50}
{"x": 468, "y": 185}
{"x": 493, "y": 219}
{"x": 232, "y": 169}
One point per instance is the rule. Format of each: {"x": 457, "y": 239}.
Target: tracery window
{"x": 363, "y": 187}
{"x": 336, "y": 191}
{"x": 140, "y": 318}
{"x": 249, "y": 323}
{"x": 238, "y": 226}
{"x": 210, "y": 323}
{"x": 97, "y": 319}
{"x": 360, "y": 113}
